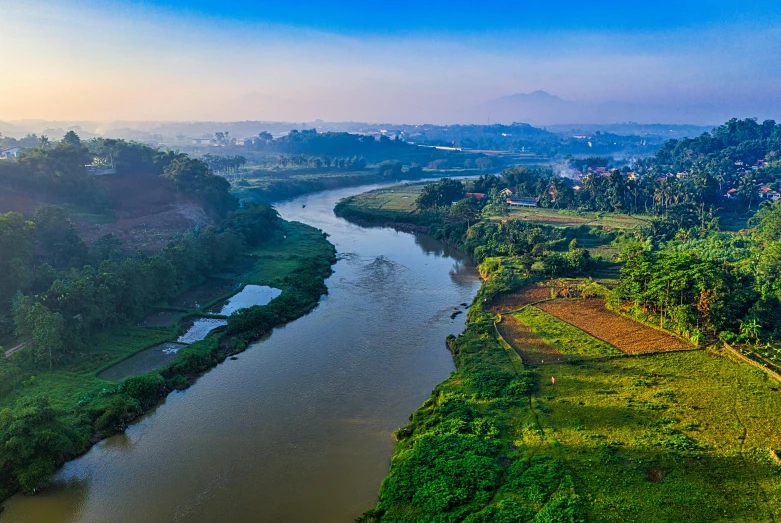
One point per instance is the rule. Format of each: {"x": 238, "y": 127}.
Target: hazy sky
{"x": 394, "y": 61}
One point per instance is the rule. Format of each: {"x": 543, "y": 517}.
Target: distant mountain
{"x": 542, "y": 109}
{"x": 537, "y": 108}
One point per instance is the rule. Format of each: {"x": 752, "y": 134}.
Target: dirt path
{"x": 13, "y": 350}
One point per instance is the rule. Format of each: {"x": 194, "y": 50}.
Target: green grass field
{"x": 668, "y": 437}
{"x": 569, "y": 218}
{"x": 399, "y": 198}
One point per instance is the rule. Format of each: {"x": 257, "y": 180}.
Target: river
{"x": 299, "y": 428}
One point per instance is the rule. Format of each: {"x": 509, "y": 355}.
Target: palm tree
{"x": 45, "y": 142}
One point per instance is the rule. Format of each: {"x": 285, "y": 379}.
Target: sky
{"x": 395, "y": 61}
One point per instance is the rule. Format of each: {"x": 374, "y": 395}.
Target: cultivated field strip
{"x": 520, "y": 298}
{"x": 625, "y": 334}
{"x": 532, "y": 349}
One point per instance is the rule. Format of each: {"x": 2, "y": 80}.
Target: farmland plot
{"x": 623, "y": 333}
{"x": 520, "y": 298}
{"x": 532, "y": 349}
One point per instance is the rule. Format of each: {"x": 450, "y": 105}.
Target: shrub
{"x": 146, "y": 389}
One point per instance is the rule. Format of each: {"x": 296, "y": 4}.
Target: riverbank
{"x": 671, "y": 436}
{"x": 81, "y": 408}
{"x": 271, "y": 186}
{"x": 546, "y": 421}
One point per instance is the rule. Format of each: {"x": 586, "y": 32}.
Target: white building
{"x": 11, "y": 152}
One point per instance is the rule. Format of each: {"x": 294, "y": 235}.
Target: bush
{"x": 146, "y": 389}
{"x": 120, "y": 410}
{"x": 444, "y": 474}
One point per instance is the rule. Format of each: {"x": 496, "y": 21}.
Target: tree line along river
{"x": 298, "y": 429}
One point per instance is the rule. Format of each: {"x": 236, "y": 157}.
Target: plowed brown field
{"x": 520, "y": 298}
{"x": 623, "y": 333}
{"x": 527, "y": 344}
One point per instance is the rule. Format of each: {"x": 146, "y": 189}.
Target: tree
{"x": 194, "y": 177}
{"x": 465, "y": 210}
{"x": 71, "y": 138}
{"x": 58, "y": 241}
{"x": 34, "y": 440}
{"x": 40, "y": 329}
{"x": 17, "y": 243}
{"x": 440, "y": 194}
{"x": 107, "y": 247}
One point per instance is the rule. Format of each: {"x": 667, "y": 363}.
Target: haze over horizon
{"x": 401, "y": 62}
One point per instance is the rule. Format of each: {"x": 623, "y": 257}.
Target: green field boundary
{"x": 512, "y": 352}
{"x": 171, "y": 338}
{"x": 745, "y": 359}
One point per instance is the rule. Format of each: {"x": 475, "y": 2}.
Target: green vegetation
{"x": 267, "y": 186}
{"x": 69, "y": 308}
{"x": 76, "y": 403}
{"x": 663, "y": 436}
{"x": 564, "y": 337}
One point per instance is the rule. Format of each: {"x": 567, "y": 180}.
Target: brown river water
{"x": 299, "y": 428}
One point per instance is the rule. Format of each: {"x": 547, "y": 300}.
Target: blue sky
{"x": 395, "y": 61}
{"x": 458, "y": 16}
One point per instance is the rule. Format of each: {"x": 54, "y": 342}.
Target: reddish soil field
{"x": 527, "y": 344}
{"x": 520, "y": 298}
{"x": 149, "y": 212}
{"x": 13, "y": 201}
{"x": 623, "y": 333}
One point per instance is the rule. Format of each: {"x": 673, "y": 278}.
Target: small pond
{"x": 249, "y": 296}
{"x": 142, "y": 362}
{"x": 200, "y": 328}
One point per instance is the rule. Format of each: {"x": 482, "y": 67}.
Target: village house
{"x": 11, "y": 152}
{"x": 475, "y": 195}
{"x": 766, "y": 193}
{"x": 522, "y": 202}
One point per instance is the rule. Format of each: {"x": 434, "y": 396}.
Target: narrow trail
{"x": 741, "y": 453}
{"x": 12, "y": 350}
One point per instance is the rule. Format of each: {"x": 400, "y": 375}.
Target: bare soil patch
{"x": 527, "y": 344}
{"x": 520, "y": 298}
{"x": 654, "y": 475}
{"x": 149, "y": 212}
{"x": 623, "y": 333}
